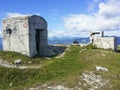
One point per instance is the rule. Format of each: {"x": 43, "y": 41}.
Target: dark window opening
{"x": 8, "y": 31}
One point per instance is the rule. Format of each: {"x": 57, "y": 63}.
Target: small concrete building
{"x": 98, "y": 39}
{"x": 27, "y": 35}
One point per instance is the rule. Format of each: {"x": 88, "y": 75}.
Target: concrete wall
{"x": 105, "y": 42}
{"x": 18, "y": 40}
{"x": 22, "y": 38}
{"x": 38, "y": 23}
{"x": 27, "y": 35}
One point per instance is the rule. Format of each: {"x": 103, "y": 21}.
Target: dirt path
{"x": 10, "y": 65}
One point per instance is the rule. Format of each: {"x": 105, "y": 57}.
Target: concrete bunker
{"x": 26, "y": 35}
{"x": 97, "y": 38}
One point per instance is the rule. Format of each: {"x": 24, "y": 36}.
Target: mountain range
{"x": 69, "y": 40}
{"x": 65, "y": 40}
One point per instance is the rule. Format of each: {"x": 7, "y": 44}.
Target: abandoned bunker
{"x": 26, "y": 35}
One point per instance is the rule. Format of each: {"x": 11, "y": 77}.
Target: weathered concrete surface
{"x": 38, "y": 36}
{"x": 103, "y": 42}
{"x": 106, "y": 43}
{"x": 15, "y": 36}
{"x": 26, "y": 35}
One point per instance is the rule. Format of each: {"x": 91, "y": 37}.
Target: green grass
{"x": 52, "y": 70}
{"x": 66, "y": 70}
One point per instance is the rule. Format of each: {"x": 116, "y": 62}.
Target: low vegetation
{"x": 65, "y": 70}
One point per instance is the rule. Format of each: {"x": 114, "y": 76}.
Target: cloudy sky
{"x": 68, "y": 17}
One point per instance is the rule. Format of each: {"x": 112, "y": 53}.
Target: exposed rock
{"x": 18, "y": 61}
{"x": 83, "y": 45}
{"x": 11, "y": 84}
{"x": 10, "y": 65}
{"x": 61, "y": 55}
{"x": 82, "y": 50}
{"x": 93, "y": 81}
{"x": 99, "y": 68}
{"x": 47, "y": 58}
{"x": 58, "y": 87}
{"x": 87, "y": 80}
{"x": 30, "y": 62}
{"x": 55, "y": 87}
{"x": 103, "y": 54}
{"x": 1, "y": 61}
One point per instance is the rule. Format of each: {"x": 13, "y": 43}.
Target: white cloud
{"x": 107, "y": 19}
{"x": 57, "y": 33}
{"x": 9, "y": 14}
{"x": 93, "y": 4}
{"x": 15, "y": 14}
{"x": 109, "y": 9}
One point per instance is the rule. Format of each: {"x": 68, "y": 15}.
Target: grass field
{"x": 66, "y": 70}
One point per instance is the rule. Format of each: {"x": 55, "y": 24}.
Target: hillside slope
{"x": 79, "y": 68}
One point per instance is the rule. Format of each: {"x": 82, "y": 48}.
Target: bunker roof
{"x": 23, "y": 16}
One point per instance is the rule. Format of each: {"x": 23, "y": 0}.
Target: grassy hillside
{"x": 66, "y": 70}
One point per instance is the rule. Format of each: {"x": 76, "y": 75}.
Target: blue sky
{"x": 69, "y": 17}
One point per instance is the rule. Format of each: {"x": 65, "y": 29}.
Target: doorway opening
{"x": 38, "y": 38}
